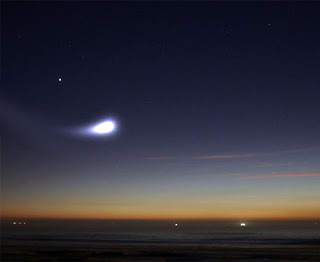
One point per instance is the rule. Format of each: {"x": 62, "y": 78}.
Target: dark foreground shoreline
{"x": 14, "y": 251}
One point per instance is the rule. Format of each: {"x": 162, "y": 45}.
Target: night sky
{"x": 216, "y": 108}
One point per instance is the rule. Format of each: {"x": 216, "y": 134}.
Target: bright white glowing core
{"x": 104, "y": 127}
{"x": 243, "y": 224}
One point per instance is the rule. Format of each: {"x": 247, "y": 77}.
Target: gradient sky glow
{"x": 216, "y": 108}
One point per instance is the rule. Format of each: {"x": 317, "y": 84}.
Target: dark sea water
{"x": 164, "y": 233}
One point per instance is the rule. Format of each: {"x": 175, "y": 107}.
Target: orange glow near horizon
{"x": 284, "y": 196}
{"x": 233, "y": 212}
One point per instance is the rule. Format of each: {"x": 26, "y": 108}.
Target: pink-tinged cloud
{"x": 283, "y": 175}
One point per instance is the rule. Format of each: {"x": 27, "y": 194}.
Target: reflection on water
{"x": 161, "y": 233}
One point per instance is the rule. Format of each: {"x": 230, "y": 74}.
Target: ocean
{"x": 200, "y": 236}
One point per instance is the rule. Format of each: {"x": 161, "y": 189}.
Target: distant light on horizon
{"x": 18, "y": 223}
{"x": 243, "y": 224}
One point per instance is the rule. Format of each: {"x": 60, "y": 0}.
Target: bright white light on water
{"x": 106, "y": 127}
{"x": 243, "y": 224}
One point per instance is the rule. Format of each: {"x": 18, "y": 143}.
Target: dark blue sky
{"x": 207, "y": 90}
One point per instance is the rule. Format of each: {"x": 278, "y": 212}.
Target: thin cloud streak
{"x": 234, "y": 156}
{"x": 268, "y": 165}
{"x": 247, "y": 155}
{"x": 230, "y": 156}
{"x": 282, "y": 175}
{"x": 275, "y": 164}
{"x": 161, "y": 158}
